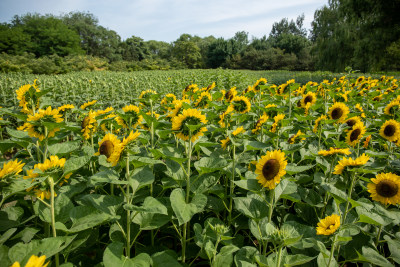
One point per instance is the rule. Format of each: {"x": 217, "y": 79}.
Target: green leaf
{"x": 210, "y": 164}
{"x": 203, "y": 183}
{"x": 26, "y": 234}
{"x": 74, "y": 164}
{"x": 62, "y": 207}
{"x": 372, "y": 256}
{"x": 87, "y": 217}
{"x": 255, "y": 145}
{"x": 6, "y": 145}
{"x": 245, "y": 257}
{"x": 151, "y": 221}
{"x": 108, "y": 176}
{"x": 4, "y": 237}
{"x": 299, "y": 259}
{"x": 163, "y": 259}
{"x": 150, "y": 205}
{"x": 250, "y": 184}
{"x": 252, "y": 207}
{"x": 225, "y": 256}
{"x": 104, "y": 203}
{"x": 293, "y": 169}
{"x": 141, "y": 177}
{"x": 185, "y": 211}
{"x": 394, "y": 247}
{"x": 18, "y": 134}
{"x": 65, "y": 148}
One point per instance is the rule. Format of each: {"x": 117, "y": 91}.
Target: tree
{"x": 187, "y": 51}
{"x": 13, "y": 40}
{"x": 218, "y": 52}
{"x": 134, "y": 49}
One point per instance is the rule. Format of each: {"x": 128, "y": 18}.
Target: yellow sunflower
{"x": 270, "y": 168}
{"x": 167, "y": 100}
{"x": 329, "y": 225}
{"x": 131, "y": 117}
{"x": 293, "y": 138}
{"x": 88, "y": 104}
{"x": 65, "y": 107}
{"x": 334, "y": 151}
{"x": 177, "y": 107}
{"x": 309, "y": 98}
{"x": 54, "y": 167}
{"x": 270, "y": 106}
{"x": 221, "y": 122}
{"x": 25, "y": 99}
{"x": 385, "y": 188}
{"x": 353, "y": 121}
{"x": 11, "y": 168}
{"x": 110, "y": 146}
{"x": 102, "y": 112}
{"x": 202, "y": 100}
{"x": 241, "y": 104}
{"x": 390, "y": 130}
{"x": 277, "y": 119}
{"x": 367, "y": 140}
{"x": 360, "y": 109}
{"x": 35, "y": 125}
{"x": 210, "y": 87}
{"x": 263, "y": 118}
{"x": 259, "y": 82}
{"x": 89, "y": 125}
{"x": 225, "y": 142}
{"x": 391, "y": 108}
{"x": 146, "y": 93}
{"x": 34, "y": 261}
{"x": 345, "y": 162}
{"x": 355, "y": 134}
{"x": 238, "y": 130}
{"x": 106, "y": 125}
{"x": 230, "y": 94}
{"x": 338, "y": 112}
{"x": 189, "y": 117}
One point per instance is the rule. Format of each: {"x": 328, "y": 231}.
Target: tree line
{"x": 363, "y": 34}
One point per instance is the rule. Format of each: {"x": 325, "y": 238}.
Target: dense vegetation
{"x": 362, "y": 34}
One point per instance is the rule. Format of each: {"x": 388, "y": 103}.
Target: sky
{"x": 164, "y": 20}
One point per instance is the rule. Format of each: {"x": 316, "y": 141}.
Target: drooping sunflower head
{"x": 27, "y": 96}
{"x": 178, "y": 107}
{"x": 230, "y": 94}
{"x": 392, "y": 107}
{"x": 241, "y": 104}
{"x": 294, "y": 137}
{"x": 310, "y": 97}
{"x": 145, "y": 96}
{"x": 65, "y": 107}
{"x": 131, "y": 117}
{"x": 189, "y": 117}
{"x": 385, "y": 188}
{"x": 89, "y": 125}
{"x": 34, "y": 261}
{"x": 36, "y": 123}
{"x": 355, "y": 134}
{"x": 210, "y": 87}
{"x": 259, "y": 82}
{"x": 110, "y": 146}
{"x": 263, "y": 118}
{"x": 277, "y": 119}
{"x": 202, "y": 100}
{"x": 338, "y": 112}
{"x": 167, "y": 100}
{"x": 350, "y": 162}
{"x": 328, "y": 225}
{"x": 353, "y": 121}
{"x": 270, "y": 168}
{"x": 225, "y": 142}
{"x": 334, "y": 151}
{"x": 390, "y": 130}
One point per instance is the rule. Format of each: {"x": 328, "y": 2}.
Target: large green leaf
{"x": 141, "y": 177}
{"x": 185, "y": 211}
{"x": 113, "y": 257}
{"x": 253, "y": 208}
{"x": 104, "y": 203}
{"x": 61, "y": 149}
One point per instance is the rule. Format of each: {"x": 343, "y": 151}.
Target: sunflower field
{"x": 232, "y": 171}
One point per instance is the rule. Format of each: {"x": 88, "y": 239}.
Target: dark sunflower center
{"x": 299, "y": 103}
{"x": 337, "y": 113}
{"x": 387, "y": 188}
{"x": 106, "y": 148}
{"x": 308, "y": 99}
{"x": 389, "y": 130}
{"x": 228, "y": 95}
{"x": 270, "y": 169}
{"x": 85, "y": 122}
{"x": 240, "y": 106}
{"x": 350, "y": 123}
{"x": 354, "y": 135}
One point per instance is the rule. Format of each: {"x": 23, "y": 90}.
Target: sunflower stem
{"x": 332, "y": 251}
{"x": 52, "y": 213}
{"x": 232, "y": 185}
{"x": 378, "y": 236}
{"x": 290, "y": 102}
{"x": 349, "y": 197}
{"x": 45, "y": 143}
{"x": 271, "y": 209}
{"x": 278, "y": 264}
{"x": 184, "y": 229}
{"x": 128, "y": 212}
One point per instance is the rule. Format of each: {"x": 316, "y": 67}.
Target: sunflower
{"x": 360, "y": 109}
{"x": 390, "y": 109}
{"x": 385, "y": 188}
{"x": 34, "y": 261}
{"x": 221, "y": 121}
{"x": 225, "y": 142}
{"x": 210, "y": 87}
{"x": 277, "y": 119}
{"x": 131, "y": 117}
{"x": 260, "y": 123}
{"x": 367, "y": 140}
{"x": 270, "y": 168}
{"x": 35, "y": 125}
{"x": 177, "y": 107}
{"x": 281, "y": 88}
{"x": 106, "y": 125}
{"x": 238, "y": 130}
{"x": 11, "y": 168}
{"x": 390, "y": 130}
{"x": 345, "y": 162}
{"x": 329, "y": 225}
{"x": 90, "y": 103}
{"x": 355, "y": 134}
{"x": 110, "y": 146}
{"x": 241, "y": 104}
{"x": 102, "y": 112}
{"x": 334, "y": 151}
{"x": 53, "y": 167}
{"x": 189, "y": 117}
{"x": 353, "y": 121}
{"x": 146, "y": 93}
{"x": 167, "y": 100}
{"x": 89, "y": 125}
{"x": 270, "y": 106}
{"x": 338, "y": 112}
{"x": 310, "y": 97}
{"x": 25, "y": 98}
{"x": 190, "y": 88}
{"x": 292, "y": 139}
{"x": 259, "y": 82}
{"x": 202, "y": 100}
{"x": 230, "y": 94}
{"x": 65, "y": 107}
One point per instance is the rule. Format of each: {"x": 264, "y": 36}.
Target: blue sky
{"x": 164, "y": 20}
